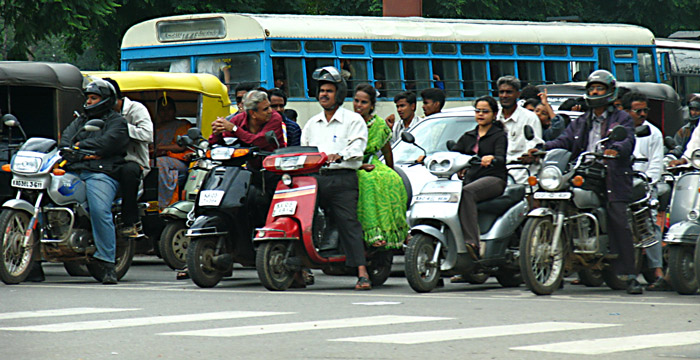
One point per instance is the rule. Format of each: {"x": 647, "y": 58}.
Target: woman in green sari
{"x": 381, "y": 207}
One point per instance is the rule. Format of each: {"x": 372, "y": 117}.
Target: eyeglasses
{"x": 597, "y": 87}
{"x": 637, "y": 111}
{"x": 482, "y": 111}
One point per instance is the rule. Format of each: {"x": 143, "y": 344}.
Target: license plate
{"x": 553, "y": 195}
{"x": 284, "y": 208}
{"x": 28, "y": 184}
{"x": 210, "y": 197}
{"x": 432, "y": 198}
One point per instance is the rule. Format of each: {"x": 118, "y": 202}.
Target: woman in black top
{"x": 487, "y": 180}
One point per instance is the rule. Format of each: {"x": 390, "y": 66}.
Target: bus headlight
{"x": 550, "y": 178}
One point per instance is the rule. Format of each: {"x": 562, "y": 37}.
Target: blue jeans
{"x": 101, "y": 190}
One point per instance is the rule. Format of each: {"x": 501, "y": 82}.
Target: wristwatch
{"x": 235, "y": 127}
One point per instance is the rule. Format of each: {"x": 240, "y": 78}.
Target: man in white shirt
{"x": 406, "y": 107}
{"x": 514, "y": 118}
{"x": 342, "y": 134}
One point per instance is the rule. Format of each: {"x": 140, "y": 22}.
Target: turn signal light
{"x": 7, "y": 168}
{"x": 59, "y": 172}
{"x": 240, "y": 152}
{"x": 532, "y": 180}
{"x": 577, "y": 180}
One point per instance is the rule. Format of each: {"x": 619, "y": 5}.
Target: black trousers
{"x": 485, "y": 188}
{"x": 620, "y": 238}
{"x": 129, "y": 180}
{"x": 338, "y": 192}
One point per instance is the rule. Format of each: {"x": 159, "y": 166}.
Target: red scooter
{"x": 298, "y": 233}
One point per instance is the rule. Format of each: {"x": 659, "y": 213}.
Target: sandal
{"x": 660, "y": 285}
{"x": 363, "y": 283}
{"x": 379, "y": 244}
{"x": 458, "y": 279}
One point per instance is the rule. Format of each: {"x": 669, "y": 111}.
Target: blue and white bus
{"x": 679, "y": 65}
{"x": 464, "y": 57}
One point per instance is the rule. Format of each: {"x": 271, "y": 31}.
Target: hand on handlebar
{"x": 530, "y": 157}
{"x": 334, "y": 158}
{"x": 610, "y": 153}
{"x": 486, "y": 160}
{"x": 674, "y": 163}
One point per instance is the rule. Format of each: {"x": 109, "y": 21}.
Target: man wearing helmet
{"x": 342, "y": 134}
{"x": 582, "y": 135}
{"x": 685, "y": 135}
{"x": 101, "y": 170}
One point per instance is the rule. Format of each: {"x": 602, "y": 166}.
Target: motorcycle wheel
{"x": 591, "y": 278}
{"x": 74, "y": 268}
{"x": 199, "y": 262}
{"x": 541, "y": 261}
{"x": 509, "y": 278}
{"x": 420, "y": 275}
{"x": 15, "y": 261}
{"x": 173, "y": 244}
{"x": 269, "y": 261}
{"x": 379, "y": 267}
{"x": 681, "y": 270}
{"x": 124, "y": 256}
{"x": 697, "y": 261}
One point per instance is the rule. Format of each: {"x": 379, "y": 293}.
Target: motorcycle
{"x": 179, "y": 216}
{"x": 568, "y": 232}
{"x": 298, "y": 233}
{"x": 48, "y": 217}
{"x": 437, "y": 246}
{"x": 228, "y": 208}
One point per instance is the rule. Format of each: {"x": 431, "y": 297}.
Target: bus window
{"x": 352, "y": 49}
{"x": 417, "y": 75}
{"x": 475, "y": 78}
{"x": 687, "y": 63}
{"x": 473, "y": 49}
{"x": 501, "y": 68}
{"x": 530, "y": 72}
{"x": 443, "y": 48}
{"x": 448, "y": 73}
{"x": 385, "y": 47}
{"x": 387, "y": 77}
{"x": 232, "y": 68}
{"x": 645, "y": 61}
{"x": 556, "y": 72}
{"x": 528, "y": 50}
{"x": 581, "y": 51}
{"x": 288, "y": 73}
{"x": 501, "y": 49}
{"x": 581, "y": 69}
{"x": 311, "y": 66}
{"x": 318, "y": 46}
{"x": 604, "y": 59}
{"x": 355, "y": 73}
{"x": 167, "y": 65}
{"x": 624, "y": 72}
{"x": 554, "y": 50}
{"x": 285, "y": 45}
{"x": 414, "y": 48}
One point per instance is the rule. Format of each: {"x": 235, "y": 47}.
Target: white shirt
{"x": 345, "y": 134}
{"x": 399, "y": 128}
{"x": 693, "y": 144}
{"x": 650, "y": 147}
{"x": 517, "y": 143}
{"x": 140, "y": 132}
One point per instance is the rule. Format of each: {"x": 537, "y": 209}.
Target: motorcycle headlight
{"x": 440, "y": 166}
{"x": 26, "y": 164}
{"x": 550, "y": 178}
{"x": 695, "y": 159}
{"x": 221, "y": 153}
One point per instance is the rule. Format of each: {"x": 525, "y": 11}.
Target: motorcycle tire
{"x": 509, "y": 278}
{"x": 269, "y": 262}
{"x": 173, "y": 244}
{"x": 199, "y": 262}
{"x": 15, "y": 262}
{"x": 74, "y": 268}
{"x": 696, "y": 262}
{"x": 421, "y": 277}
{"x": 541, "y": 277}
{"x": 379, "y": 267}
{"x": 124, "y": 256}
{"x": 591, "y": 278}
{"x": 681, "y": 269}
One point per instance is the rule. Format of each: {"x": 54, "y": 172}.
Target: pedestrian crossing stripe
{"x": 142, "y": 321}
{"x": 59, "y": 312}
{"x": 422, "y": 337}
{"x": 617, "y": 344}
{"x": 307, "y": 325}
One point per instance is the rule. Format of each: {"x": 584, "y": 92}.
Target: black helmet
{"x": 694, "y": 104}
{"x": 329, "y": 74}
{"x": 603, "y": 77}
{"x": 104, "y": 90}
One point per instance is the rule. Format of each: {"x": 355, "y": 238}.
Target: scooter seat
{"x": 492, "y": 209}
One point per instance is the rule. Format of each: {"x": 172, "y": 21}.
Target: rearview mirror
{"x": 94, "y": 125}
{"x": 271, "y": 138}
{"x": 529, "y": 132}
{"x": 408, "y": 137}
{"x": 194, "y": 133}
{"x": 618, "y": 133}
{"x": 642, "y": 131}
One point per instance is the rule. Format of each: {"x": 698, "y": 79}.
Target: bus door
{"x": 624, "y": 64}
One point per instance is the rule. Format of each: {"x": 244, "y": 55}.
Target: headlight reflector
{"x": 26, "y": 164}
{"x": 550, "y": 178}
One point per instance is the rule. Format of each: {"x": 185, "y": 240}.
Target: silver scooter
{"x": 437, "y": 245}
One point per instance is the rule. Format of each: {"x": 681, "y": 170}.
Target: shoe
{"x": 110, "y": 275}
{"x": 634, "y": 288}
{"x": 660, "y": 285}
{"x": 363, "y": 283}
{"x": 308, "y": 277}
{"x": 132, "y": 230}
{"x": 458, "y": 279}
{"x": 182, "y": 274}
{"x": 36, "y": 274}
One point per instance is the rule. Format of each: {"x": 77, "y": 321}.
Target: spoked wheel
{"x": 15, "y": 259}
{"x": 541, "y": 260}
{"x": 173, "y": 244}
{"x": 379, "y": 266}
{"x": 682, "y": 269}
{"x": 199, "y": 262}
{"x": 124, "y": 256}
{"x": 420, "y": 273}
{"x": 75, "y": 268}
{"x": 591, "y": 278}
{"x": 269, "y": 261}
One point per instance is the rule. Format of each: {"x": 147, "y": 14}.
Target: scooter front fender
{"x": 19, "y": 204}
{"x": 541, "y": 212}
{"x": 684, "y": 232}
{"x": 431, "y": 231}
{"x": 178, "y": 210}
{"x": 208, "y": 225}
{"x": 283, "y": 228}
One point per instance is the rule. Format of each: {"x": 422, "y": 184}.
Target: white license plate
{"x": 210, "y": 197}
{"x": 553, "y": 195}
{"x": 28, "y": 184}
{"x": 432, "y": 198}
{"x": 284, "y": 208}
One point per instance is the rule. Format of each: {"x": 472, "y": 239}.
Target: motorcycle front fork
{"x": 26, "y": 242}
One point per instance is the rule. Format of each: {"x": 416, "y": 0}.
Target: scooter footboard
{"x": 283, "y": 228}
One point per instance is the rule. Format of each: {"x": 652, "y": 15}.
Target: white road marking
{"x": 59, "y": 312}
{"x": 617, "y": 344}
{"x": 377, "y": 303}
{"x": 143, "y": 321}
{"x": 473, "y": 333}
{"x": 307, "y": 325}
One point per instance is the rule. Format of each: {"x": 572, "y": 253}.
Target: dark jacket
{"x": 575, "y": 139}
{"x": 109, "y": 143}
{"x": 682, "y": 137}
{"x": 495, "y": 143}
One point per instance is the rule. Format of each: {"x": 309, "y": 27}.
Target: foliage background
{"x": 88, "y": 33}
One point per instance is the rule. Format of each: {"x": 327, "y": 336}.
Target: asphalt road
{"x": 150, "y": 315}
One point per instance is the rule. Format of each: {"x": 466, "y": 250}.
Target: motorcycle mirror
{"x": 618, "y": 133}
{"x": 271, "y": 138}
{"x": 669, "y": 143}
{"x": 184, "y": 140}
{"x": 642, "y": 131}
{"x": 529, "y": 132}
{"x": 10, "y": 120}
{"x": 408, "y": 137}
{"x": 451, "y": 144}
{"x": 194, "y": 133}
{"x": 94, "y": 125}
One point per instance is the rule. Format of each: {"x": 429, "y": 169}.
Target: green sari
{"x": 381, "y": 207}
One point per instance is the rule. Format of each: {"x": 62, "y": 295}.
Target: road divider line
{"x": 142, "y": 321}
{"x": 59, "y": 312}
{"x": 473, "y": 333}
{"x": 307, "y": 325}
{"x": 617, "y": 344}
